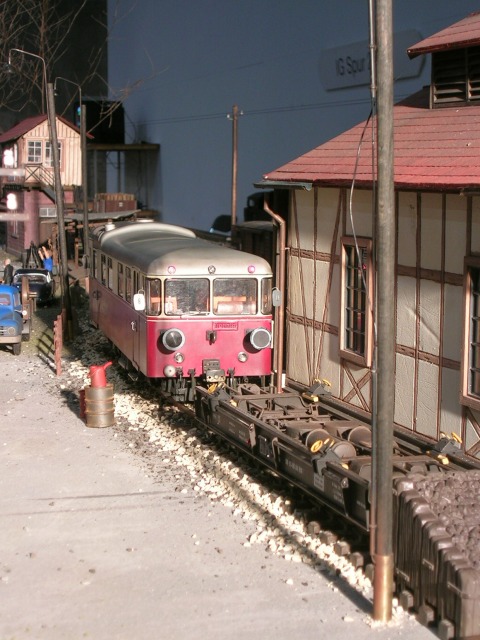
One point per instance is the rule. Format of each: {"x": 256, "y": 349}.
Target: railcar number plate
{"x": 225, "y": 326}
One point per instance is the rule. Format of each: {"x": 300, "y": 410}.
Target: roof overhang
{"x": 283, "y": 184}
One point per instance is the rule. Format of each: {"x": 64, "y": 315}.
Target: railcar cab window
{"x": 470, "y": 392}
{"x": 187, "y": 296}
{"x": 154, "y": 297}
{"x": 356, "y": 322}
{"x": 266, "y": 307}
{"x": 234, "y": 296}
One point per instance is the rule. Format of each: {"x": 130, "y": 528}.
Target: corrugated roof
{"x": 465, "y": 33}
{"x": 22, "y": 127}
{"x": 434, "y": 149}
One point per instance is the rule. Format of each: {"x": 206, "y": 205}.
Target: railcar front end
{"x": 181, "y": 309}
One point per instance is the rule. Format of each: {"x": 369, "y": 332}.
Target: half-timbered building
{"x": 330, "y": 315}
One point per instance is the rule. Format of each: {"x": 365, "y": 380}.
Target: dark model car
{"x": 41, "y": 285}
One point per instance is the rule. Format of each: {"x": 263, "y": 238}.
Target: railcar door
{"x": 94, "y": 293}
{"x": 139, "y": 328}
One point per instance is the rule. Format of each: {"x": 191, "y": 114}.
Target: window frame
{"x": 48, "y": 160}
{"x": 37, "y": 147}
{"x": 364, "y": 357}
{"x": 466, "y": 396}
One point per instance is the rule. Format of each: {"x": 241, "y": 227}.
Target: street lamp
{"x": 52, "y": 126}
{"x": 83, "y": 142}
{"x": 34, "y": 55}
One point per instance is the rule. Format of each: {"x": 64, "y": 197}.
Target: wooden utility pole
{"x": 385, "y": 254}
{"x": 63, "y": 262}
{"x": 83, "y": 140}
{"x": 234, "y": 118}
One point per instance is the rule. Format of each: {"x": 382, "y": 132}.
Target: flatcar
{"x": 180, "y": 309}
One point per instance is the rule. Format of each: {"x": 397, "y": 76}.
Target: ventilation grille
{"x": 456, "y": 76}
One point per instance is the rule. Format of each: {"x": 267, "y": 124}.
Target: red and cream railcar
{"x": 180, "y": 308}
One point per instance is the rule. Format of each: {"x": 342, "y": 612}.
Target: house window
{"x": 356, "y": 322}
{"x": 471, "y": 350}
{"x": 49, "y": 155}
{"x": 34, "y": 151}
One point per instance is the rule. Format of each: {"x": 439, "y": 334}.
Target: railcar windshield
{"x": 232, "y": 296}
{"x": 187, "y": 296}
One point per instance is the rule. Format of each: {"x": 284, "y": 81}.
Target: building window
{"x": 34, "y": 151}
{"x": 356, "y": 322}
{"x": 471, "y": 349}
{"x": 49, "y": 155}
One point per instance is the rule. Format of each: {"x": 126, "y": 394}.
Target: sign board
{"x": 349, "y": 65}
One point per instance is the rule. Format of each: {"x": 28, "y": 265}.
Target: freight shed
{"x": 436, "y": 301}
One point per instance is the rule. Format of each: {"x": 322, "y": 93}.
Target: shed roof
{"x": 434, "y": 149}
{"x": 22, "y": 127}
{"x": 465, "y": 33}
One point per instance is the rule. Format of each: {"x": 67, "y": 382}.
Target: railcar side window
{"x": 103, "y": 269}
{"x": 128, "y": 284}
{"x": 110, "y": 273}
{"x": 471, "y": 349}
{"x": 94, "y": 265}
{"x": 187, "y": 295}
{"x": 234, "y": 296}
{"x": 266, "y": 306}
{"x": 154, "y": 297}
{"x": 356, "y": 331}
{"x": 120, "y": 281}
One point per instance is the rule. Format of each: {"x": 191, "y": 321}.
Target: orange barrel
{"x": 99, "y": 406}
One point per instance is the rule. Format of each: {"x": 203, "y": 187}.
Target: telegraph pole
{"x": 234, "y": 118}
{"x": 383, "y": 441}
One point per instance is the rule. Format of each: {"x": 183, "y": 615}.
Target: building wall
{"x": 70, "y": 157}
{"x": 434, "y": 234}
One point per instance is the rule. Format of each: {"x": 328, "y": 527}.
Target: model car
{"x": 41, "y": 285}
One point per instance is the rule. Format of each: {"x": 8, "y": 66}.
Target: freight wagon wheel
{"x": 315, "y": 436}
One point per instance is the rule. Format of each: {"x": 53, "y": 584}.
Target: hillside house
{"x": 436, "y": 301}
{"x": 27, "y": 146}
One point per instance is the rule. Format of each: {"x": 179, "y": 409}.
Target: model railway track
{"x": 327, "y": 454}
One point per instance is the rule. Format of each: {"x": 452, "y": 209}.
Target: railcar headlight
{"x": 260, "y": 338}
{"x": 173, "y": 339}
{"x": 179, "y": 357}
{"x": 242, "y": 356}
{"x": 169, "y": 371}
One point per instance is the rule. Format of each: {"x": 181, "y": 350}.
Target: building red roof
{"x": 22, "y": 127}
{"x": 465, "y": 33}
{"x": 434, "y": 149}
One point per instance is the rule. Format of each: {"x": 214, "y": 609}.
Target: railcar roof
{"x": 155, "y": 247}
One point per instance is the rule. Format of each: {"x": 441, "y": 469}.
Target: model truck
{"x": 15, "y": 319}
